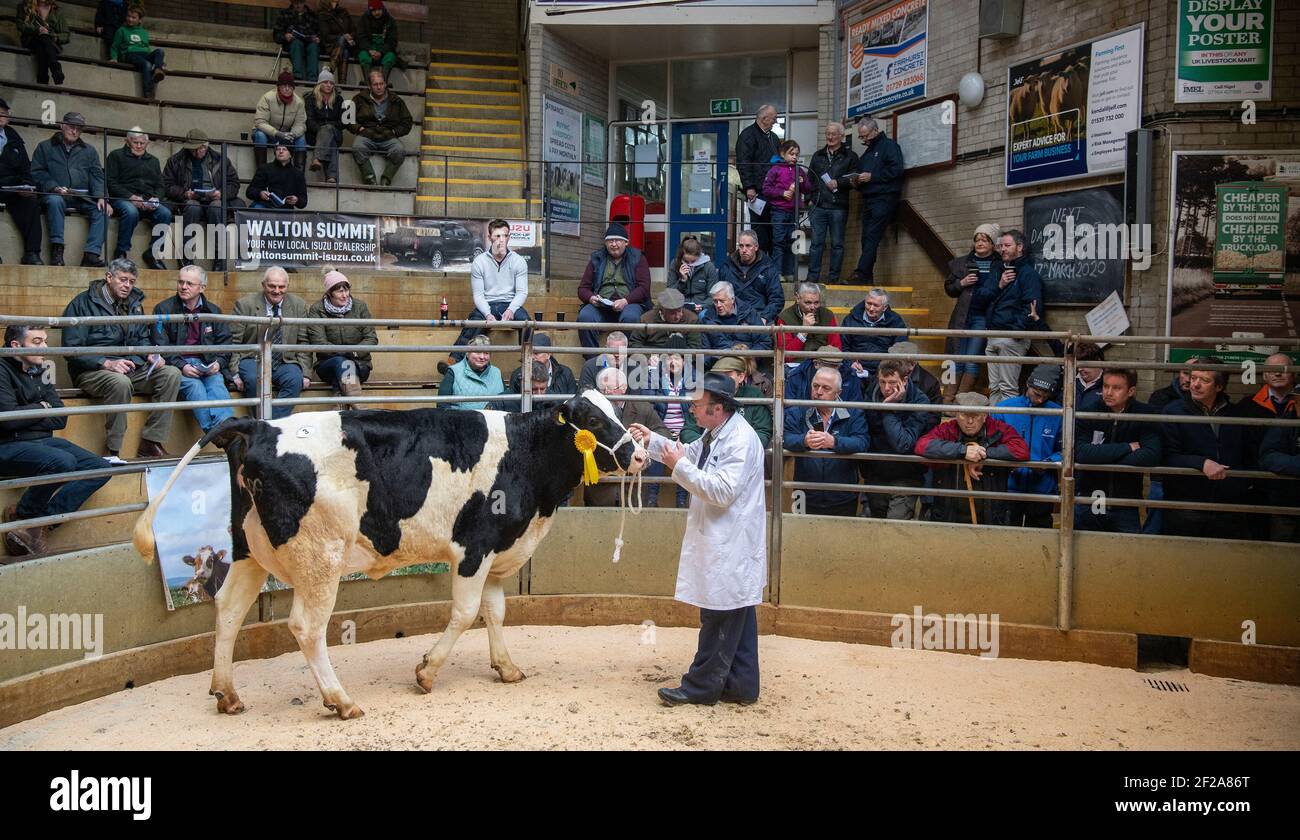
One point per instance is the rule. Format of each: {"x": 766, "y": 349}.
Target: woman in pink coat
{"x": 779, "y": 189}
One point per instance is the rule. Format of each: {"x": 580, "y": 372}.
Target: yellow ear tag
{"x": 585, "y": 442}
{"x": 559, "y": 418}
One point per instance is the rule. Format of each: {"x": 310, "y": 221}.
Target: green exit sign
{"x": 724, "y": 107}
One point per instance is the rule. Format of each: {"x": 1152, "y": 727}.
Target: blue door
{"x": 697, "y": 187}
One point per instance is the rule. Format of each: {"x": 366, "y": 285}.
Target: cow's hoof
{"x": 228, "y": 704}
{"x": 423, "y": 680}
{"x": 346, "y": 711}
{"x": 513, "y": 675}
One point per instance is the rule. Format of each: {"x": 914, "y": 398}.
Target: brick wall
{"x": 486, "y": 25}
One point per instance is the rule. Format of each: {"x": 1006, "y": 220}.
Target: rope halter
{"x": 586, "y": 442}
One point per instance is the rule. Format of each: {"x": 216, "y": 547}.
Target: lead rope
{"x": 624, "y": 503}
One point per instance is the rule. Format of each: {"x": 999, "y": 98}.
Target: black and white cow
{"x": 319, "y": 495}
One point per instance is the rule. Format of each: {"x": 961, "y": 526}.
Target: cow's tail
{"x": 221, "y": 434}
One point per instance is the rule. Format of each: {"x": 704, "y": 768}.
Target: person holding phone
{"x": 1013, "y": 295}
{"x": 965, "y": 274}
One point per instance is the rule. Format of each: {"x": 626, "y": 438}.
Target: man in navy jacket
{"x": 880, "y": 180}
{"x": 1114, "y": 441}
{"x": 1014, "y": 296}
{"x": 840, "y": 430}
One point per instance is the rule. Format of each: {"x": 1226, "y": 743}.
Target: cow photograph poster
{"x": 1068, "y": 113}
{"x": 192, "y": 531}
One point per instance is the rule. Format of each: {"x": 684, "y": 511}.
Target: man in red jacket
{"x": 974, "y": 438}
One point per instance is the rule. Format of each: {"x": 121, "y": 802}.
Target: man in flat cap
{"x": 67, "y": 173}
{"x": 196, "y": 180}
{"x": 670, "y": 311}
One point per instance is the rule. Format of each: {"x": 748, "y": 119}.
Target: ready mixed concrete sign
{"x": 1225, "y": 50}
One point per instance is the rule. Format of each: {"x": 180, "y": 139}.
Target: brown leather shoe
{"x": 149, "y": 449}
{"x": 20, "y": 542}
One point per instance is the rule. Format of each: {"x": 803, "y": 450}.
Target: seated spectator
{"x": 278, "y": 185}
{"x": 786, "y": 188}
{"x": 755, "y": 279}
{"x": 196, "y": 179}
{"x": 873, "y": 313}
{"x": 281, "y": 117}
{"x": 692, "y": 273}
{"x": 1279, "y": 452}
{"x": 67, "y": 172}
{"x": 556, "y": 378}
{"x": 336, "y": 37}
{"x": 1013, "y": 298}
{"x": 498, "y": 282}
{"x": 1043, "y": 436}
{"x": 382, "y": 120}
{"x": 203, "y": 374}
{"x": 754, "y": 376}
{"x": 839, "y": 430}
{"x": 798, "y": 379}
{"x": 671, "y": 374}
{"x": 1275, "y": 400}
{"x": 916, "y": 374}
{"x": 759, "y": 417}
{"x": 474, "y": 375}
{"x": 965, "y": 273}
{"x": 616, "y": 356}
{"x": 325, "y": 126}
{"x": 131, "y": 46}
{"x": 109, "y": 16}
{"x": 345, "y": 371}
{"x": 297, "y": 30}
{"x": 808, "y": 310}
{"x": 670, "y": 312}
{"x": 42, "y": 30}
{"x": 895, "y": 433}
{"x": 729, "y": 312}
{"x": 615, "y": 285}
{"x": 974, "y": 438}
{"x": 613, "y": 384}
{"x": 17, "y": 188}
{"x": 274, "y": 300}
{"x": 1174, "y": 391}
{"x": 28, "y": 447}
{"x": 537, "y": 385}
{"x": 376, "y": 39}
{"x": 1114, "y": 441}
{"x": 1087, "y": 381}
{"x": 1214, "y": 450}
{"x": 111, "y": 380}
{"x": 135, "y": 189}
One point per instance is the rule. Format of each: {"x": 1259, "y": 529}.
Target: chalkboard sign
{"x": 1084, "y": 267}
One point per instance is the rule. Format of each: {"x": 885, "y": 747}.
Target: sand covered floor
{"x": 594, "y": 687}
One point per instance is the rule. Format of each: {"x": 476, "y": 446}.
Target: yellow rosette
{"x": 585, "y": 442}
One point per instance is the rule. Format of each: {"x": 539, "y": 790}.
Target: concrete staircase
{"x": 842, "y": 299}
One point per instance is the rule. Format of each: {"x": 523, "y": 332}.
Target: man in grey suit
{"x": 287, "y": 377}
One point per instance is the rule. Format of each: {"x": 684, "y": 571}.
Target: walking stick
{"x": 965, "y": 471}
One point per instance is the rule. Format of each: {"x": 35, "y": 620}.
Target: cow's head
{"x": 615, "y": 449}
{"x": 204, "y": 562}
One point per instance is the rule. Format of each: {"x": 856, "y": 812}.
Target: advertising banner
{"x": 562, "y": 151}
{"x": 1225, "y": 50}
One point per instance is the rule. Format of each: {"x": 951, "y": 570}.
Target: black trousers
{"x": 26, "y": 210}
{"x": 46, "y": 53}
{"x": 1205, "y": 523}
{"x": 1031, "y": 514}
{"x": 849, "y": 508}
{"x": 762, "y": 225}
{"x": 726, "y": 661}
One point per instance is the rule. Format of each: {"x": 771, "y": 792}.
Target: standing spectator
{"x": 613, "y": 384}
{"x": 67, "y": 171}
{"x": 281, "y": 117}
{"x": 1087, "y": 380}
{"x": 965, "y": 274}
{"x": 278, "y": 185}
{"x": 135, "y": 189}
{"x": 1013, "y": 295}
{"x": 673, "y": 376}
{"x": 1215, "y": 449}
{"x": 345, "y": 370}
{"x": 336, "y": 36}
{"x": 382, "y": 120}
{"x": 916, "y": 374}
{"x": 808, "y": 311}
{"x": 1275, "y": 400}
{"x": 1173, "y": 392}
{"x": 670, "y": 312}
{"x": 693, "y": 273}
{"x": 831, "y": 166}
{"x": 297, "y": 30}
{"x": 615, "y": 285}
{"x": 615, "y": 356}
{"x": 1114, "y": 441}
{"x": 110, "y": 15}
{"x": 816, "y": 429}
{"x": 874, "y": 313}
{"x": 555, "y": 377}
{"x": 756, "y": 151}
{"x": 113, "y": 379}
{"x": 974, "y": 438}
{"x": 895, "y": 433}
{"x": 474, "y": 375}
{"x": 131, "y": 46}
{"x": 786, "y": 188}
{"x": 798, "y": 379}
{"x": 29, "y": 448}
{"x": 1043, "y": 435}
{"x": 729, "y": 312}
{"x": 325, "y": 125}
{"x": 203, "y": 374}
{"x": 196, "y": 179}
{"x": 498, "y": 282}
{"x": 1280, "y": 453}
{"x": 880, "y": 180}
{"x": 18, "y": 187}
{"x": 755, "y": 278}
{"x": 376, "y": 39}
{"x": 42, "y": 30}
{"x": 273, "y": 301}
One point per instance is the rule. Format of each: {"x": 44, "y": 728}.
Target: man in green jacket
{"x": 287, "y": 379}
{"x": 376, "y": 38}
{"x": 135, "y": 189}
{"x": 382, "y": 120}
{"x": 759, "y": 417}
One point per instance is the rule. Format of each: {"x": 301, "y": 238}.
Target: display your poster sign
{"x": 887, "y": 58}
{"x": 1225, "y": 50}
{"x": 1068, "y": 112}
{"x": 1233, "y": 222}
{"x": 562, "y": 152}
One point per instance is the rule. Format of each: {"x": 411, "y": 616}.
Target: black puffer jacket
{"x": 24, "y": 391}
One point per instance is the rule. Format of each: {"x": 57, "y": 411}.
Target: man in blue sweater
{"x": 1043, "y": 434}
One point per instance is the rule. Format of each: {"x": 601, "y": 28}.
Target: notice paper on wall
{"x": 1108, "y": 317}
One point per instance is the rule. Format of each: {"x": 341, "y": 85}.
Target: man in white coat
{"x": 723, "y": 564}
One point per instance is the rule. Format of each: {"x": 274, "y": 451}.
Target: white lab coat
{"x": 723, "y": 565}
